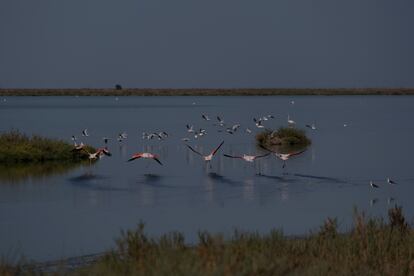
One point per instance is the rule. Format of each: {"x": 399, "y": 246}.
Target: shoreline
{"x": 207, "y": 92}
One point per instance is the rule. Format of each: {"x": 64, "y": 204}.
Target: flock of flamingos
{"x": 104, "y": 151}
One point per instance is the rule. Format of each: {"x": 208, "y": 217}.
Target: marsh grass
{"x": 18, "y": 148}
{"x": 372, "y": 247}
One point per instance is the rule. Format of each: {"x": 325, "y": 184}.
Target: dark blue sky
{"x": 215, "y": 43}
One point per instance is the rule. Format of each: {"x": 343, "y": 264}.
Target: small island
{"x": 18, "y": 148}
{"x": 284, "y": 137}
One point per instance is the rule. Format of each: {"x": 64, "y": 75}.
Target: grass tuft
{"x": 372, "y": 247}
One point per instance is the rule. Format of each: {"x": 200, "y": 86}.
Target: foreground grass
{"x": 372, "y": 247}
{"x": 204, "y": 92}
{"x": 284, "y": 137}
{"x": 17, "y": 148}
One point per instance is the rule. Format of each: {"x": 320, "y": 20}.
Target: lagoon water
{"x": 47, "y": 214}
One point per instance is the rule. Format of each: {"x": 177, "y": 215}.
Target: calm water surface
{"x": 48, "y": 214}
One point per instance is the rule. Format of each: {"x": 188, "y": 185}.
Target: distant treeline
{"x": 205, "y": 92}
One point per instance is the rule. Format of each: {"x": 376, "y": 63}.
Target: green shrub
{"x": 284, "y": 136}
{"x": 19, "y": 148}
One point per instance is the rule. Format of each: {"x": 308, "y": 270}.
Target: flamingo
{"x": 373, "y": 185}
{"x": 247, "y": 158}
{"x": 98, "y": 154}
{"x": 145, "y": 155}
{"x": 284, "y": 156}
{"x": 208, "y": 157}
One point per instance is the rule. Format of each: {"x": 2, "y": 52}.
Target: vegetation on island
{"x": 373, "y": 246}
{"x": 283, "y": 138}
{"x": 18, "y": 148}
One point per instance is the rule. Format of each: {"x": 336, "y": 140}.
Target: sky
{"x": 206, "y": 44}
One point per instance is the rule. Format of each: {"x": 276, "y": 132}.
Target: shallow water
{"x": 81, "y": 210}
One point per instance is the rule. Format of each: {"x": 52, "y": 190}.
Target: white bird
{"x": 185, "y": 139}
{"x": 190, "y": 129}
{"x": 221, "y": 121}
{"x": 248, "y": 130}
{"x": 312, "y": 126}
{"x": 373, "y": 185}
{"x": 258, "y": 123}
{"x": 292, "y": 102}
{"x": 205, "y": 117}
{"x": 235, "y": 127}
{"x": 85, "y": 132}
{"x": 122, "y": 136}
{"x": 208, "y": 157}
{"x": 290, "y": 121}
{"x": 390, "y": 181}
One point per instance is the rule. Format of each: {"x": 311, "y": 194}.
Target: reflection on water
{"x": 23, "y": 172}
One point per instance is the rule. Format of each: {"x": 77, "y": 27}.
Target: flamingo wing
{"x": 296, "y": 153}
{"x": 216, "y": 149}
{"x": 260, "y": 156}
{"x": 230, "y": 156}
{"x": 135, "y": 156}
{"x": 193, "y": 150}
{"x": 158, "y": 161}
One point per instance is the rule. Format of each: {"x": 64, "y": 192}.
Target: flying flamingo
{"x": 247, "y": 158}
{"x": 98, "y": 154}
{"x": 145, "y": 155}
{"x": 78, "y": 147}
{"x": 208, "y": 157}
{"x": 284, "y": 156}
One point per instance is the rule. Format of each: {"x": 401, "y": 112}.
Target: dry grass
{"x": 204, "y": 92}
{"x": 372, "y": 247}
